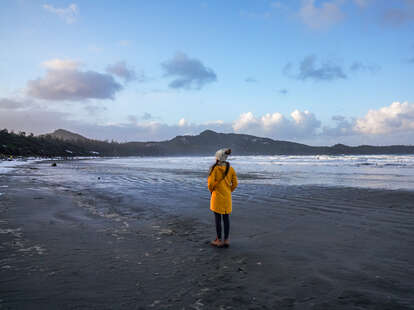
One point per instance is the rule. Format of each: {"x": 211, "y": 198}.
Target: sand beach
{"x": 292, "y": 247}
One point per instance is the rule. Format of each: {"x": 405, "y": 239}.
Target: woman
{"x": 222, "y": 181}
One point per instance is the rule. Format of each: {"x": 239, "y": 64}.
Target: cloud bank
{"x": 393, "y": 124}
{"x": 188, "y": 73}
{"x": 398, "y": 117}
{"x": 301, "y": 124}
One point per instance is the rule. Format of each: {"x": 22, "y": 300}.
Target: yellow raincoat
{"x": 221, "y": 189}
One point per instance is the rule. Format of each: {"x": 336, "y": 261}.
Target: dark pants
{"x": 226, "y": 221}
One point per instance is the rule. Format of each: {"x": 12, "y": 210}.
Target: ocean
{"x": 389, "y": 172}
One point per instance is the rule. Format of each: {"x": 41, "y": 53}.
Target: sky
{"x": 318, "y": 72}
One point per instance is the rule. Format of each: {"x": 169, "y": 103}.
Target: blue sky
{"x": 318, "y": 72}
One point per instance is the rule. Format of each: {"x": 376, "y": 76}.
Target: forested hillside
{"x": 67, "y": 144}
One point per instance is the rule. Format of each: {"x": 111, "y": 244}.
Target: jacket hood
{"x": 222, "y": 154}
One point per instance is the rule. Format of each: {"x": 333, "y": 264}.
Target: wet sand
{"x": 292, "y": 247}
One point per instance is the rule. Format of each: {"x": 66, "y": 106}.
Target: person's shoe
{"x": 226, "y": 243}
{"x": 217, "y": 243}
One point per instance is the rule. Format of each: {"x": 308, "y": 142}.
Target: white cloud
{"x": 305, "y": 120}
{"x": 61, "y": 64}
{"x": 64, "y": 81}
{"x": 68, "y": 14}
{"x": 275, "y": 125}
{"x": 397, "y": 117}
{"x": 342, "y": 128}
{"x": 182, "y": 122}
{"x": 270, "y": 120}
{"x": 246, "y": 121}
{"x": 328, "y": 14}
{"x": 310, "y": 69}
{"x": 188, "y": 73}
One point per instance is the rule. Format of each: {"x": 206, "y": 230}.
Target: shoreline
{"x": 292, "y": 248}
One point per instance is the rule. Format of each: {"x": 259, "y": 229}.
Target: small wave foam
{"x": 7, "y": 166}
{"x": 164, "y": 174}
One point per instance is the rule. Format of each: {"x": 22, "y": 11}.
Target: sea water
{"x": 368, "y": 171}
{"x": 10, "y": 165}
{"x": 364, "y": 171}
{"x": 179, "y": 183}
{"x": 378, "y": 172}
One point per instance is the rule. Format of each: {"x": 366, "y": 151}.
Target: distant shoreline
{"x": 62, "y": 143}
{"x": 17, "y": 158}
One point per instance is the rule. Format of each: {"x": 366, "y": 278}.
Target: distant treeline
{"x": 66, "y": 144}
{"x": 20, "y": 144}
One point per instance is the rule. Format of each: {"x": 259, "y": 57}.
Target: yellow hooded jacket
{"x": 221, "y": 189}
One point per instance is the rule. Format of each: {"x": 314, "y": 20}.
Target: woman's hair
{"x": 214, "y": 166}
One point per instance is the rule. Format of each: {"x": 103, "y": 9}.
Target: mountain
{"x": 65, "y": 143}
{"x": 66, "y": 135}
{"x": 208, "y": 142}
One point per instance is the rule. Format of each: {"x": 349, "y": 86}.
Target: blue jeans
{"x": 226, "y": 221}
